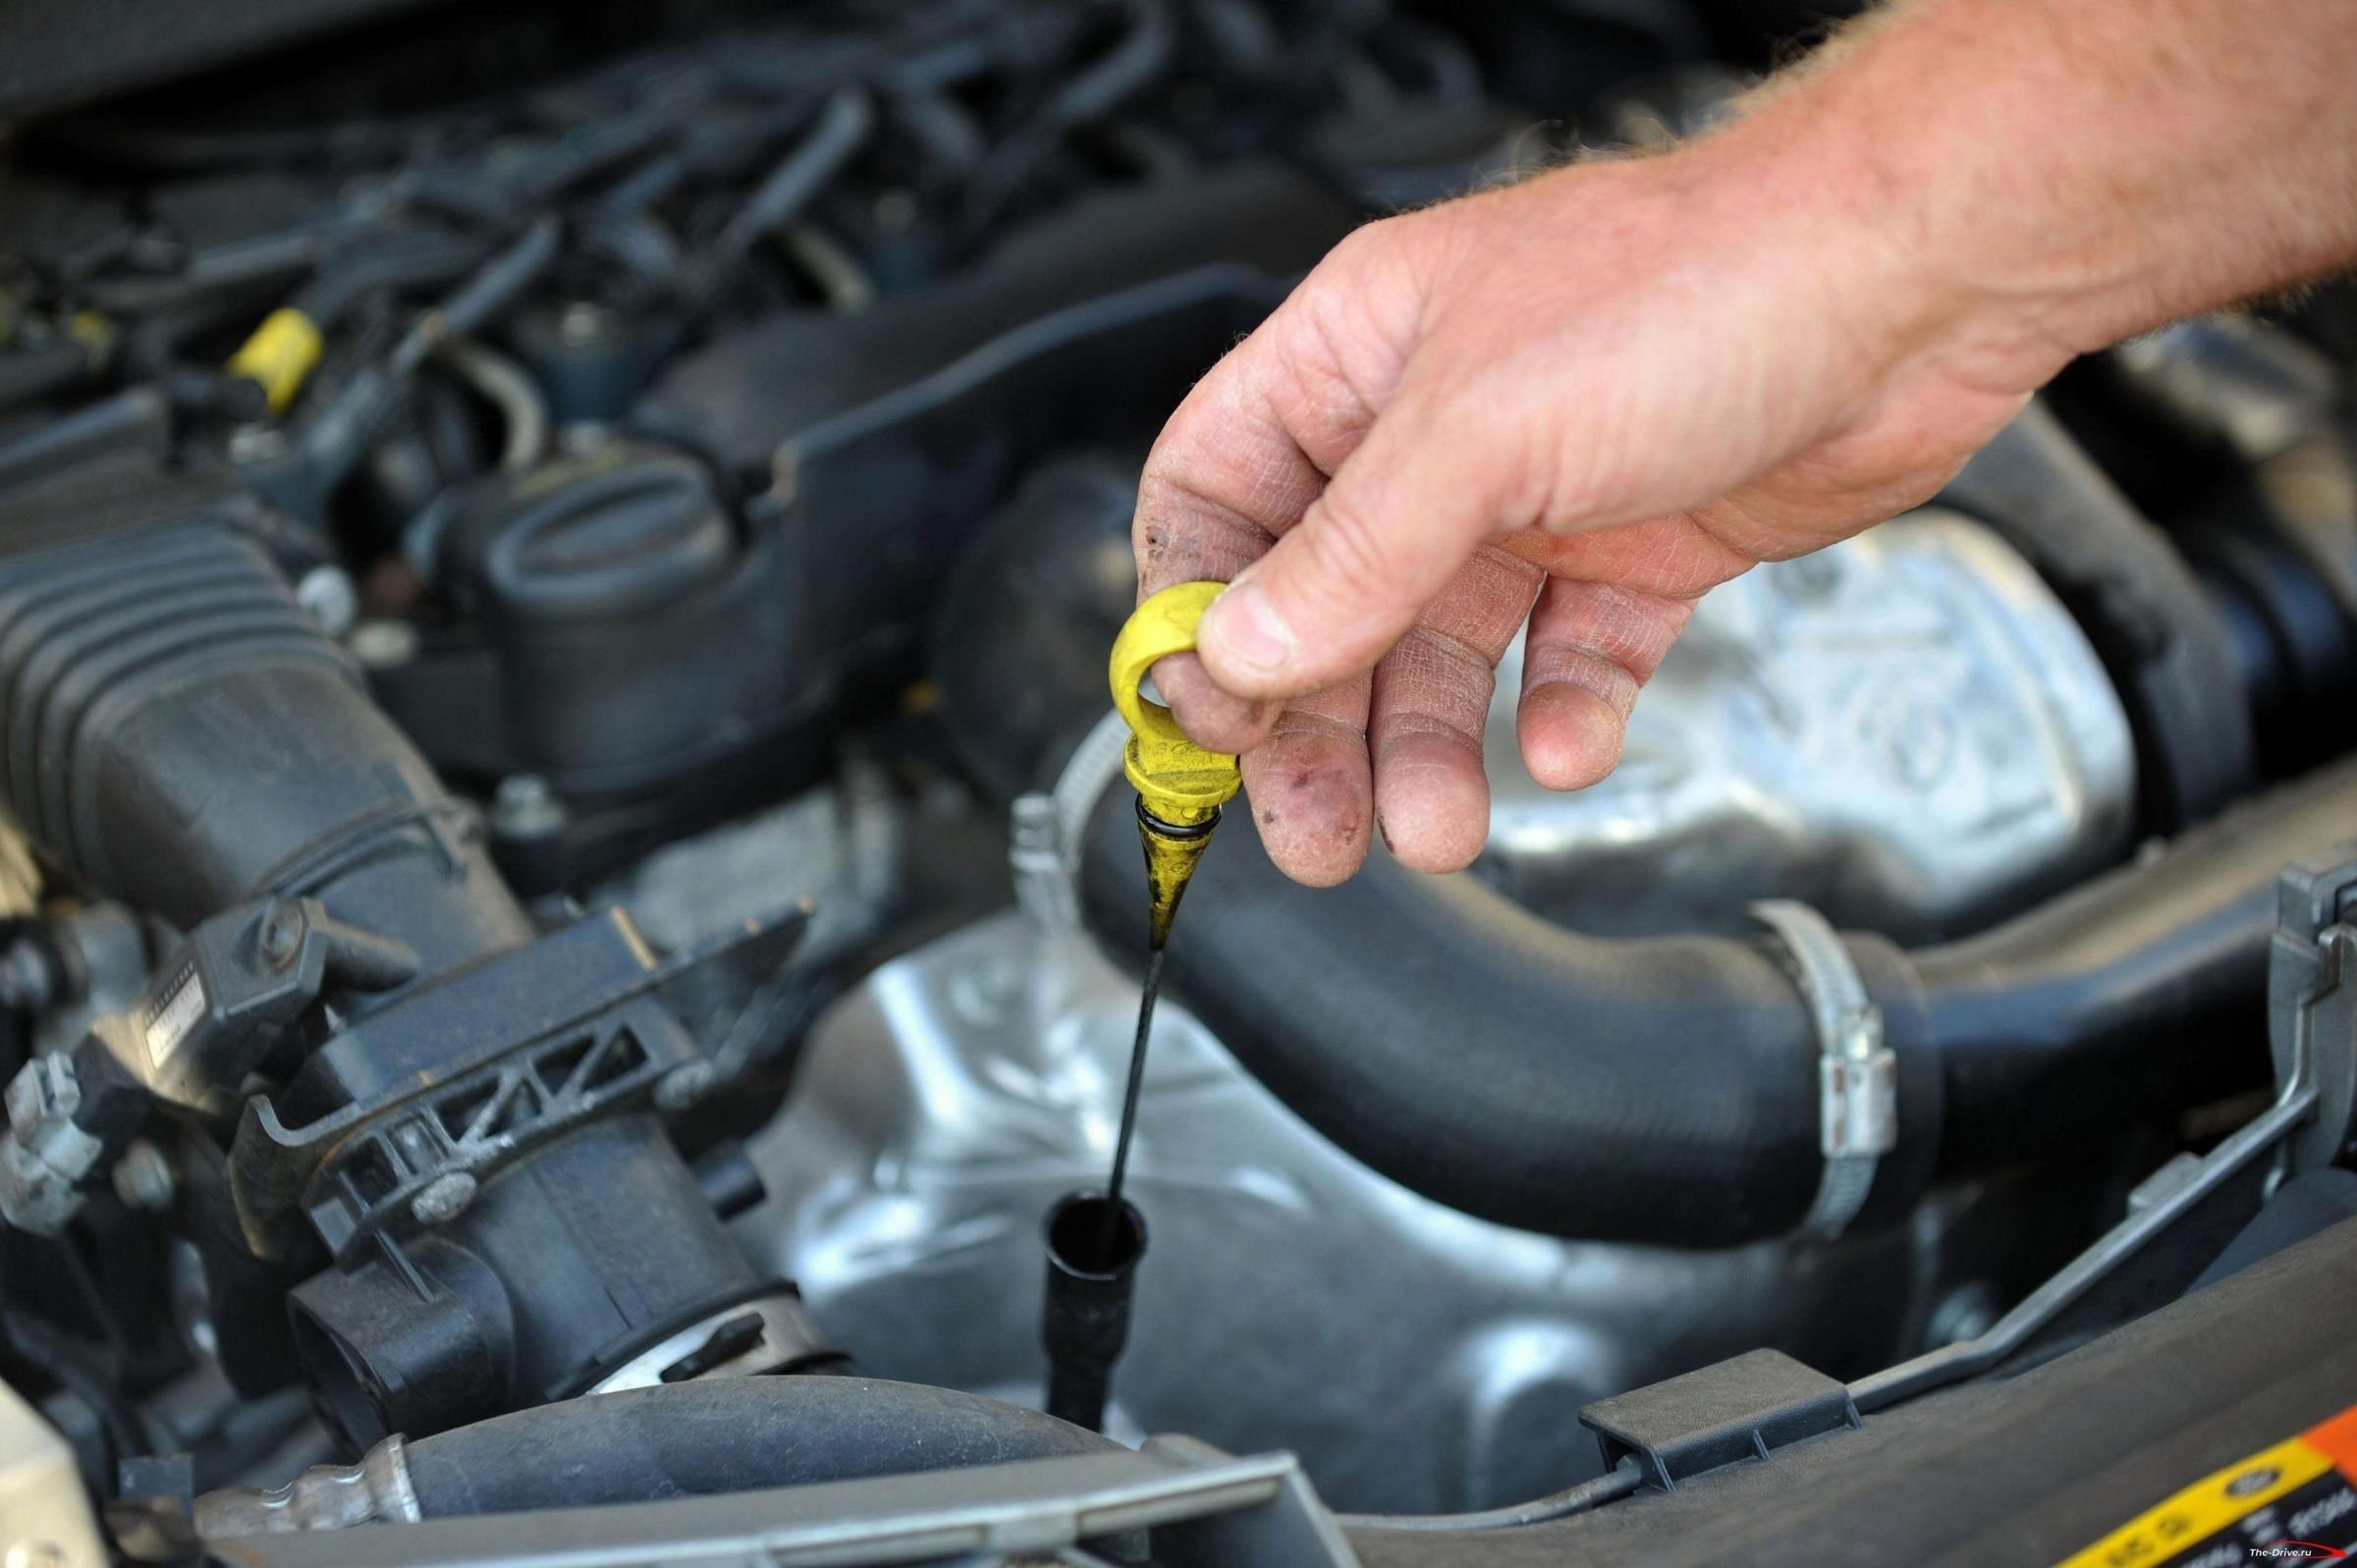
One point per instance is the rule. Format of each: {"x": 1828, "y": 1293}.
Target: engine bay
{"x": 569, "y": 908}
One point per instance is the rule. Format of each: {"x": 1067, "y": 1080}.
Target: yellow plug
{"x": 1181, "y": 787}
{"x": 279, "y": 355}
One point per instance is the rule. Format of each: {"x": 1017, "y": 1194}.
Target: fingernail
{"x": 1247, "y": 630}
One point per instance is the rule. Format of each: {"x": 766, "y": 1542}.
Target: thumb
{"x": 1402, "y": 514}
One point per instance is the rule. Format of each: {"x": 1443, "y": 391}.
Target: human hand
{"x": 1583, "y": 400}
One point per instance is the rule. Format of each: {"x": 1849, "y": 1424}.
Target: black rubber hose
{"x": 2138, "y": 992}
{"x": 135, "y": 418}
{"x": 2147, "y": 615}
{"x": 1094, "y": 92}
{"x": 418, "y": 258}
{"x": 1664, "y": 1090}
{"x": 796, "y": 181}
{"x": 732, "y": 1434}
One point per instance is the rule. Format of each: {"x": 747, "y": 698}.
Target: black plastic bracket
{"x": 1736, "y": 1410}
{"x": 464, "y": 1076}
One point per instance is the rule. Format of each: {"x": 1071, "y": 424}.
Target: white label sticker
{"x": 169, "y": 1024}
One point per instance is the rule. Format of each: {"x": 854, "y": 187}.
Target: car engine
{"x": 567, "y": 908}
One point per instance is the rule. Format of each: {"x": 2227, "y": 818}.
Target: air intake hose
{"x": 182, "y": 737}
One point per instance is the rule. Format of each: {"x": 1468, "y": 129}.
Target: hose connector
{"x": 1181, "y": 787}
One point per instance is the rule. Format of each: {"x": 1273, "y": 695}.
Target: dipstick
{"x": 1095, "y": 1240}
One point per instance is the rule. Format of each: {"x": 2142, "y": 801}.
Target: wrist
{"x": 1828, "y": 234}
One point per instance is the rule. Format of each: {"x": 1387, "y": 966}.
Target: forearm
{"x": 2056, "y": 175}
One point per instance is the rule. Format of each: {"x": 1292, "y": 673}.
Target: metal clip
{"x": 1857, "y": 1074}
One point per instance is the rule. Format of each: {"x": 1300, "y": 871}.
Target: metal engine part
{"x": 1907, "y": 732}
{"x": 950, "y": 1098}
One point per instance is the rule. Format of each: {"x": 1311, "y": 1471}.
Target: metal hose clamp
{"x": 1857, "y": 1075}
{"x": 376, "y": 1491}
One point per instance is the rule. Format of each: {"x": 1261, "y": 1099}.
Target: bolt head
{"x": 281, "y": 940}
{"x": 523, "y": 806}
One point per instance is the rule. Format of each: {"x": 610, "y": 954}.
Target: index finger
{"x": 1227, "y": 476}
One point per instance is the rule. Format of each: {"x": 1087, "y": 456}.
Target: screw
{"x": 442, "y": 1199}
{"x": 327, "y": 596}
{"x": 683, "y": 1085}
{"x": 282, "y": 934}
{"x": 143, "y": 1177}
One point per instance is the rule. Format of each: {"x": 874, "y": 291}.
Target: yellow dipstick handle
{"x": 1181, "y": 787}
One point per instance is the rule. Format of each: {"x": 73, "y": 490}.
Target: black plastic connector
{"x": 1718, "y": 1415}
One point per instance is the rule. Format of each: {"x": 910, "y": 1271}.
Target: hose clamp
{"x": 1857, "y": 1074}
{"x": 768, "y": 1334}
{"x": 377, "y": 1490}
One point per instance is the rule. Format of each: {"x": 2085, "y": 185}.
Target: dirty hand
{"x": 1583, "y": 400}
